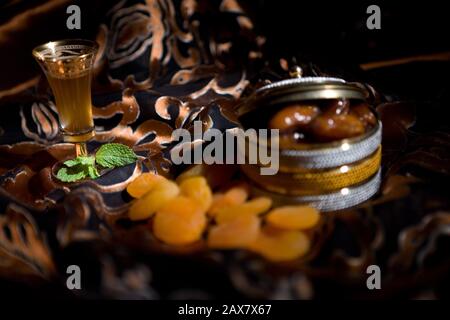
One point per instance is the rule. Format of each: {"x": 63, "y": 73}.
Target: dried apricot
{"x": 293, "y": 217}
{"x": 280, "y": 245}
{"x": 234, "y": 234}
{"x": 197, "y": 189}
{"x": 180, "y": 221}
{"x": 163, "y": 191}
{"x": 252, "y": 207}
{"x": 216, "y": 174}
{"x": 143, "y": 184}
{"x": 234, "y": 196}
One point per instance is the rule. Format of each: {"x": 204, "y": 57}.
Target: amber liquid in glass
{"x": 73, "y": 101}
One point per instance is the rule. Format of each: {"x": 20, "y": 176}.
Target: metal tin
{"x": 311, "y": 172}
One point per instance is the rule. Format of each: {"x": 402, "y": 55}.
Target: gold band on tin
{"x": 313, "y": 182}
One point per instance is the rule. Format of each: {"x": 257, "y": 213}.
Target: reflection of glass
{"x": 67, "y": 65}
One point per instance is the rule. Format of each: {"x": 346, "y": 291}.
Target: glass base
{"x": 74, "y": 138}
{"x": 81, "y": 149}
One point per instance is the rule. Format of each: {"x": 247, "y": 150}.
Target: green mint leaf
{"x": 72, "y": 174}
{"x": 93, "y": 173}
{"x": 112, "y": 155}
{"x": 84, "y": 160}
{"x": 72, "y": 162}
{"x": 89, "y": 161}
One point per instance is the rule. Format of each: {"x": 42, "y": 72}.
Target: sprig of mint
{"x": 110, "y": 155}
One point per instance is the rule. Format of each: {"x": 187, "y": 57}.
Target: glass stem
{"x": 81, "y": 149}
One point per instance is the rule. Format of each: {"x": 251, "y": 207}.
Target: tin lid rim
{"x": 299, "y": 81}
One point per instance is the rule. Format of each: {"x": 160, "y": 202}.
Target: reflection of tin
{"x": 330, "y": 141}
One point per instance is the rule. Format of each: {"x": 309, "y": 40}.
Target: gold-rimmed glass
{"x": 68, "y": 64}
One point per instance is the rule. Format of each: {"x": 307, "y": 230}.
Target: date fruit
{"x": 337, "y": 107}
{"x": 336, "y": 127}
{"x": 293, "y": 117}
{"x": 364, "y": 114}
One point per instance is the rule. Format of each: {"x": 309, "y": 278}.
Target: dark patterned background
{"x": 164, "y": 63}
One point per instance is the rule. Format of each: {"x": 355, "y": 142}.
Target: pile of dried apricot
{"x": 183, "y": 212}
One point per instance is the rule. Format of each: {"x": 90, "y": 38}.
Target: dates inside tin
{"x": 309, "y": 111}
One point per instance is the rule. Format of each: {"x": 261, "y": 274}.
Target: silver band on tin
{"x": 342, "y": 199}
{"x": 332, "y": 157}
{"x": 304, "y": 80}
